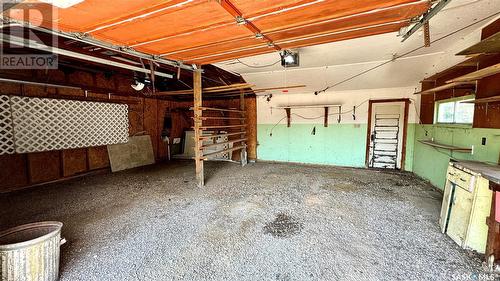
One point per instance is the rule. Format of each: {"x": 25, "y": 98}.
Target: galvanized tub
{"x": 30, "y": 252}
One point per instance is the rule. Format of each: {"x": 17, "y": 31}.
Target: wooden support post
{"x": 288, "y": 115}
{"x": 326, "y": 116}
{"x": 197, "y": 88}
{"x": 243, "y": 152}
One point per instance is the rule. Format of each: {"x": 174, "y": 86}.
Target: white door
{"x": 386, "y": 135}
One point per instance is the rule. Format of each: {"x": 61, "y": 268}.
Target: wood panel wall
{"x": 485, "y": 115}
{"x": 145, "y": 115}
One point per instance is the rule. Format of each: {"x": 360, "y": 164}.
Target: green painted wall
{"x": 338, "y": 144}
{"x": 431, "y": 163}
{"x": 410, "y": 147}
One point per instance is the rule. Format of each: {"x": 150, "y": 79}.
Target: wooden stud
{"x": 405, "y": 134}
{"x": 368, "y": 134}
{"x": 288, "y": 115}
{"x": 326, "y": 117}
{"x": 200, "y": 178}
{"x": 243, "y": 152}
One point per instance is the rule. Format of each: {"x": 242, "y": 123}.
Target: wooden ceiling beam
{"x": 222, "y": 24}
{"x": 270, "y": 12}
{"x": 334, "y": 38}
{"x": 247, "y": 90}
{"x": 193, "y": 23}
{"x": 302, "y": 42}
{"x": 405, "y": 11}
{"x": 212, "y": 89}
{"x": 142, "y": 14}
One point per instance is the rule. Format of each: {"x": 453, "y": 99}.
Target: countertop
{"x": 488, "y": 171}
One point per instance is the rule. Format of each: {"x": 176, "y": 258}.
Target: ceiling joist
{"x": 233, "y": 11}
{"x": 203, "y": 32}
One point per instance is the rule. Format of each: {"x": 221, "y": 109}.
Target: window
{"x": 455, "y": 111}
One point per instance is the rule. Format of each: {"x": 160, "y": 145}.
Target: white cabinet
{"x": 466, "y": 205}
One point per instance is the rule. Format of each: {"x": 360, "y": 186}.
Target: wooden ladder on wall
{"x": 236, "y": 133}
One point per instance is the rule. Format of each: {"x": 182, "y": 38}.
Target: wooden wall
{"x": 485, "y": 115}
{"x": 145, "y": 115}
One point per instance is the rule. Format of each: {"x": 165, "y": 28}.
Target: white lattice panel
{"x": 53, "y": 124}
{"x": 6, "y": 133}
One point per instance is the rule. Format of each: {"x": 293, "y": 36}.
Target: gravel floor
{"x": 261, "y": 222}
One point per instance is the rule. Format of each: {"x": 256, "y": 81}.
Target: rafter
{"x": 293, "y": 41}
{"x": 400, "y": 11}
{"x": 231, "y": 9}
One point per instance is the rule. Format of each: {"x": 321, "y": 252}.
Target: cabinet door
{"x": 445, "y": 207}
{"x": 460, "y": 212}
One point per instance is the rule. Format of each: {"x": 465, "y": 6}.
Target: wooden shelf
{"x": 224, "y": 151}
{"x": 222, "y": 143}
{"x": 205, "y": 137}
{"x": 446, "y": 146}
{"x": 222, "y": 127}
{"x": 219, "y": 118}
{"x": 208, "y": 90}
{"x": 485, "y": 100}
{"x": 454, "y": 85}
{"x": 477, "y": 75}
{"x": 219, "y": 109}
{"x": 308, "y": 106}
{"x": 490, "y": 45}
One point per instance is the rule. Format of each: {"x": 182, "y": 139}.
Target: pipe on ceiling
{"x": 100, "y": 44}
{"x": 21, "y": 42}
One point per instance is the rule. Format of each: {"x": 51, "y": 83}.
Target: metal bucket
{"x": 31, "y": 252}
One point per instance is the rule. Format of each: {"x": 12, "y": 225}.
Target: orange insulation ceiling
{"x": 206, "y": 31}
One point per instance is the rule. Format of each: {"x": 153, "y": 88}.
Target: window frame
{"x": 455, "y": 101}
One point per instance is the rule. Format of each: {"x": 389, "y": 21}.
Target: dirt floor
{"x": 262, "y": 222}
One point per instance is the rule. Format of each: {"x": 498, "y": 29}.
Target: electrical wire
{"x": 404, "y": 54}
{"x": 414, "y": 102}
{"x": 271, "y": 133}
{"x": 259, "y": 66}
{"x": 313, "y": 118}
